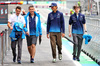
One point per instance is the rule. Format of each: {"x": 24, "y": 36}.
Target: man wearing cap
{"x": 77, "y": 20}
{"x": 55, "y": 29}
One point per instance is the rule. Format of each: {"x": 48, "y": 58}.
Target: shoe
{"x": 74, "y": 57}
{"x": 60, "y": 56}
{"x": 14, "y": 59}
{"x": 78, "y": 59}
{"x": 54, "y": 60}
{"x": 19, "y": 62}
{"x": 32, "y": 60}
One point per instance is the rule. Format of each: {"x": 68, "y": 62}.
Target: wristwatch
{"x": 85, "y": 31}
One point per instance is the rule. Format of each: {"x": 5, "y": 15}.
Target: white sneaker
{"x": 60, "y": 56}
{"x": 54, "y": 60}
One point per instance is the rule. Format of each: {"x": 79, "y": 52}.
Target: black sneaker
{"x": 14, "y": 59}
{"x": 32, "y": 60}
{"x": 19, "y": 62}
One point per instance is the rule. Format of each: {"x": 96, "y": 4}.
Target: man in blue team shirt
{"x": 77, "y": 20}
{"x": 33, "y": 25}
{"x": 55, "y": 28}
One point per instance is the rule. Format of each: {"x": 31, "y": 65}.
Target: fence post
{"x": 6, "y": 45}
{"x": 9, "y": 41}
{"x": 0, "y": 49}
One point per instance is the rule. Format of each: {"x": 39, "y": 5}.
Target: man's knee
{"x": 29, "y": 47}
{"x": 33, "y": 45}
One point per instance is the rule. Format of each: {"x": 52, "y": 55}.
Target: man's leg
{"x": 19, "y": 49}
{"x": 80, "y": 40}
{"x": 75, "y": 39}
{"x": 28, "y": 38}
{"x": 53, "y": 44}
{"x": 29, "y": 50}
{"x": 33, "y": 50}
{"x": 59, "y": 44}
{"x": 13, "y": 47}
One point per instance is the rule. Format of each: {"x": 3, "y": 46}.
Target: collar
{"x": 78, "y": 14}
{"x": 16, "y": 15}
{"x": 31, "y": 16}
{"x": 56, "y": 11}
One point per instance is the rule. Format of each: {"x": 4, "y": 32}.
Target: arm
{"x": 69, "y": 30}
{"x": 69, "y": 27}
{"x": 48, "y": 26}
{"x": 24, "y": 25}
{"x": 84, "y": 24}
{"x": 26, "y": 31}
{"x": 23, "y": 20}
{"x": 62, "y": 26}
{"x": 9, "y": 22}
{"x": 9, "y": 25}
{"x": 40, "y": 29}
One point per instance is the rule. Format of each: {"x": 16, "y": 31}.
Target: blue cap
{"x": 53, "y": 4}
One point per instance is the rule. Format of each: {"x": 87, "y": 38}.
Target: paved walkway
{"x": 43, "y": 52}
{"x": 43, "y": 56}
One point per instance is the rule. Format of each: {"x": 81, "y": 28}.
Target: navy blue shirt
{"x": 77, "y": 23}
{"x": 32, "y": 25}
{"x": 55, "y": 22}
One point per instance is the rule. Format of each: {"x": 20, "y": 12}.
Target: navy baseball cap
{"x": 53, "y": 4}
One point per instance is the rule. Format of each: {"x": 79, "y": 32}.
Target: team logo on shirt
{"x": 81, "y": 18}
{"x": 51, "y": 16}
{"x": 58, "y": 15}
{"x": 74, "y": 19}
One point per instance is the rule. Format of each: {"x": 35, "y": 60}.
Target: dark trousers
{"x": 77, "y": 38}
{"x": 55, "y": 39}
{"x": 13, "y": 47}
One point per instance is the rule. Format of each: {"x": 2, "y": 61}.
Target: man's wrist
{"x": 9, "y": 26}
{"x": 69, "y": 32}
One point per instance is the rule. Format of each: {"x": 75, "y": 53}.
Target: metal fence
{"x": 4, "y": 44}
{"x": 93, "y": 48}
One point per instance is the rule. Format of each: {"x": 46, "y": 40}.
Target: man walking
{"x": 16, "y": 18}
{"x": 55, "y": 29}
{"x": 77, "y": 20}
{"x": 33, "y": 24}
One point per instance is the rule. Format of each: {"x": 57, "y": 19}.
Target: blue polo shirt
{"x": 77, "y": 23}
{"x": 32, "y": 25}
{"x": 55, "y": 22}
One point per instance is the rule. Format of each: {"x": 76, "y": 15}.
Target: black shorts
{"x": 31, "y": 40}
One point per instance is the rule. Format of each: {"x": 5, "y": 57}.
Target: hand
{"x": 40, "y": 35}
{"x": 63, "y": 34}
{"x": 27, "y": 33}
{"x": 69, "y": 34}
{"x": 11, "y": 28}
{"x": 47, "y": 35}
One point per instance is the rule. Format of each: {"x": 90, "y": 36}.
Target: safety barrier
{"x": 4, "y": 45}
{"x": 93, "y": 48}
